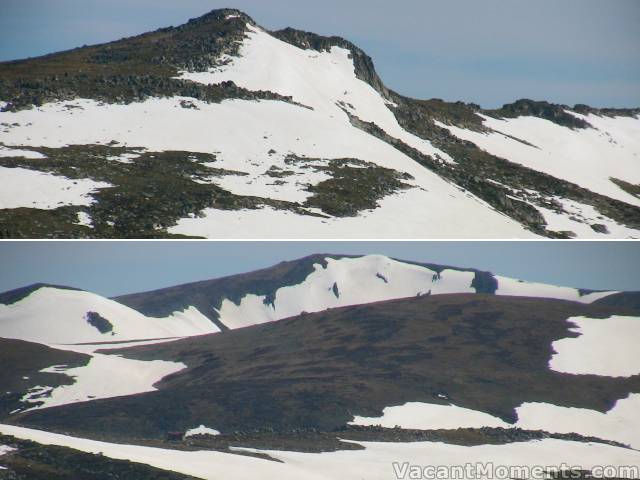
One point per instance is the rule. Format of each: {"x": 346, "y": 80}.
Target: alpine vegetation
{"x": 219, "y": 128}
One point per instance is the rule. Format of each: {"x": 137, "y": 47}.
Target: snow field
{"x": 587, "y": 157}
{"x": 620, "y": 424}
{"x": 373, "y": 278}
{"x": 358, "y": 280}
{"x": 33, "y": 319}
{"x": 241, "y": 133}
{"x": 606, "y": 347}
{"x": 22, "y": 187}
{"x": 201, "y": 430}
{"x": 375, "y": 462}
{"x": 57, "y": 318}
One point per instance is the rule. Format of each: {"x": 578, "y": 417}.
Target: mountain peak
{"x": 17, "y": 294}
{"x": 221, "y": 14}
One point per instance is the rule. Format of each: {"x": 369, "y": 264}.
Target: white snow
{"x": 362, "y": 280}
{"x": 430, "y": 416}
{"x": 16, "y": 152}
{"x": 57, "y": 317}
{"x": 105, "y": 376}
{"x": 325, "y": 81}
{"x": 397, "y": 217}
{"x": 578, "y": 219}
{"x": 201, "y": 430}
{"x": 4, "y": 449}
{"x": 606, "y": 347}
{"x": 358, "y": 280}
{"x": 374, "y": 462}
{"x": 241, "y": 133}
{"x": 587, "y": 157}
{"x": 621, "y": 423}
{"x": 84, "y": 219}
{"x": 513, "y": 287}
{"x": 28, "y": 188}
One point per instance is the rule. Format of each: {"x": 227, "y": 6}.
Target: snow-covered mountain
{"x": 339, "y": 359}
{"x": 68, "y": 318}
{"x": 219, "y": 128}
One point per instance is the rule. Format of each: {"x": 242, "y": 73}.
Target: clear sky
{"x": 485, "y": 51}
{"x": 116, "y": 267}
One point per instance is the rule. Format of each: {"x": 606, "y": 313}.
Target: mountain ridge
{"x": 313, "y": 113}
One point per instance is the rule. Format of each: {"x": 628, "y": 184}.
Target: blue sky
{"x": 117, "y": 267}
{"x": 485, "y": 51}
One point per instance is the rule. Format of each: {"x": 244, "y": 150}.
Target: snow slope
{"x": 620, "y": 424}
{"x": 21, "y": 187}
{"x": 369, "y": 279}
{"x": 357, "y": 280}
{"x": 105, "y": 376}
{"x": 241, "y": 133}
{"x": 252, "y": 138}
{"x": 324, "y": 81}
{"x": 374, "y": 462}
{"x": 201, "y": 430}
{"x": 513, "y": 287}
{"x": 587, "y": 157}
{"x": 430, "y": 416}
{"x": 58, "y": 318}
{"x": 604, "y": 347}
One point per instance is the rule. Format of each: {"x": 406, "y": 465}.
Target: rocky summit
{"x": 220, "y": 128}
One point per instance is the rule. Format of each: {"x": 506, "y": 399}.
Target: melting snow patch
{"x": 572, "y": 155}
{"x": 84, "y": 219}
{"x": 37, "y": 394}
{"x": 201, "y": 430}
{"x": 374, "y": 462}
{"x": 429, "y": 416}
{"x": 621, "y": 423}
{"x": 359, "y": 282}
{"x": 605, "y": 346}
{"x": 510, "y": 286}
{"x": 32, "y": 319}
{"x": 579, "y": 217}
{"x": 15, "y": 152}
{"x": 4, "y": 449}
{"x": 105, "y": 376}
{"x": 27, "y": 188}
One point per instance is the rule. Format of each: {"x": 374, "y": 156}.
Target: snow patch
{"x": 605, "y": 346}
{"x": 105, "y": 376}
{"x": 34, "y": 320}
{"x": 578, "y": 217}
{"x": 16, "y": 152}
{"x": 201, "y": 430}
{"x": 57, "y": 318}
{"x": 510, "y": 286}
{"x": 242, "y": 133}
{"x": 430, "y": 416}
{"x": 374, "y": 462}
{"x": 22, "y": 187}
{"x": 358, "y": 281}
{"x": 621, "y": 423}
{"x": 588, "y": 157}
